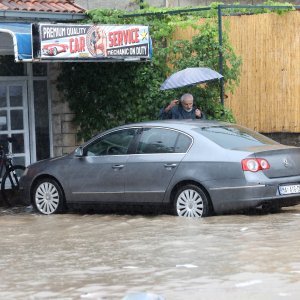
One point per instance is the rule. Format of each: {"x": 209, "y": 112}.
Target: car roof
{"x": 187, "y": 126}
{"x": 177, "y": 124}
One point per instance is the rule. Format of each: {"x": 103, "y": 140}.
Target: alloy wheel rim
{"x": 47, "y": 198}
{"x": 189, "y": 204}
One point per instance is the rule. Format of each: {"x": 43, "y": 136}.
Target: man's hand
{"x": 198, "y": 113}
{"x": 171, "y": 105}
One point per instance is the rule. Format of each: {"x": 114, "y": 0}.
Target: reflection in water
{"x": 96, "y": 256}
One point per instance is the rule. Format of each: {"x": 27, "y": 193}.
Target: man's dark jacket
{"x": 178, "y": 112}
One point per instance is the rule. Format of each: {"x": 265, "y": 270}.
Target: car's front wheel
{"x": 47, "y": 197}
{"x": 191, "y": 201}
{"x": 55, "y": 51}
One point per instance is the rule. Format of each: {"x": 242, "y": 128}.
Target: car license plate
{"x": 289, "y": 189}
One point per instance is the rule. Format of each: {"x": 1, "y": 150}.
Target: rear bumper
{"x": 227, "y": 199}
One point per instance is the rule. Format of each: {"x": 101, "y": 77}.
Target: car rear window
{"x": 234, "y": 136}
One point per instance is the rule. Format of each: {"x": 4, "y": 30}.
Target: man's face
{"x": 187, "y": 104}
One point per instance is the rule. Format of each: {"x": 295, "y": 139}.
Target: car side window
{"x": 115, "y": 143}
{"x": 160, "y": 140}
{"x": 183, "y": 143}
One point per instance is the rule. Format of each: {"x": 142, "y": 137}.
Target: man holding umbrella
{"x": 187, "y": 77}
{"x": 183, "y": 109}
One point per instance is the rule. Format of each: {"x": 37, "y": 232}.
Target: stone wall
{"x": 286, "y": 138}
{"x": 64, "y": 131}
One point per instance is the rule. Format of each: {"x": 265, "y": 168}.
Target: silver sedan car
{"x": 195, "y": 167}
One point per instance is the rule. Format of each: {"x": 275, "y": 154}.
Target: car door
{"x": 98, "y": 175}
{"x": 149, "y": 171}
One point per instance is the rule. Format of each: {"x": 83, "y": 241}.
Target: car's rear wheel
{"x": 191, "y": 201}
{"x": 55, "y": 51}
{"x": 47, "y": 197}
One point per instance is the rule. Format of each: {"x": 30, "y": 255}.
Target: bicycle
{"x": 10, "y": 175}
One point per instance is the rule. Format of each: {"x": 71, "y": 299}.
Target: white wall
{"x": 124, "y": 4}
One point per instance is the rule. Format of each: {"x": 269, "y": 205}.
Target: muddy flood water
{"x": 141, "y": 257}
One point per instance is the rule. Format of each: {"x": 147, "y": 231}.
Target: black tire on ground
{"x": 48, "y": 197}
{"x": 55, "y": 51}
{"x": 191, "y": 201}
{"x": 10, "y": 185}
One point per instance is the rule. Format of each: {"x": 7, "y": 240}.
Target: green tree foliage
{"x": 103, "y": 95}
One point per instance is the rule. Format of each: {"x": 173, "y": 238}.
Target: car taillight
{"x": 255, "y": 164}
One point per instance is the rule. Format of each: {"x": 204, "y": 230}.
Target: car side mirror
{"x": 78, "y": 152}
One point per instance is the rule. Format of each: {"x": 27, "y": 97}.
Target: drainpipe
{"x": 221, "y": 53}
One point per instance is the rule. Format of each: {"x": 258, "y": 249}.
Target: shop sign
{"x": 72, "y": 42}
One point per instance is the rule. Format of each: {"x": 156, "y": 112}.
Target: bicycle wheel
{"x": 10, "y": 185}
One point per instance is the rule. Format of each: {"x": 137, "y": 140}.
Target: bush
{"x": 103, "y": 95}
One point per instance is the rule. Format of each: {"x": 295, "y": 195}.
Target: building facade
{"x": 32, "y": 112}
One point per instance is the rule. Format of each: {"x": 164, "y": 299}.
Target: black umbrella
{"x": 190, "y": 76}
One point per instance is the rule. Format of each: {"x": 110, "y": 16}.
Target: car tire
{"x": 55, "y": 51}
{"x": 191, "y": 201}
{"x": 48, "y": 197}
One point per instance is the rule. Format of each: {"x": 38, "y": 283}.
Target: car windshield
{"x": 234, "y": 136}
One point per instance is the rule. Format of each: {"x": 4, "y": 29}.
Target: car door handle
{"x": 170, "y": 165}
{"x": 118, "y": 167}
